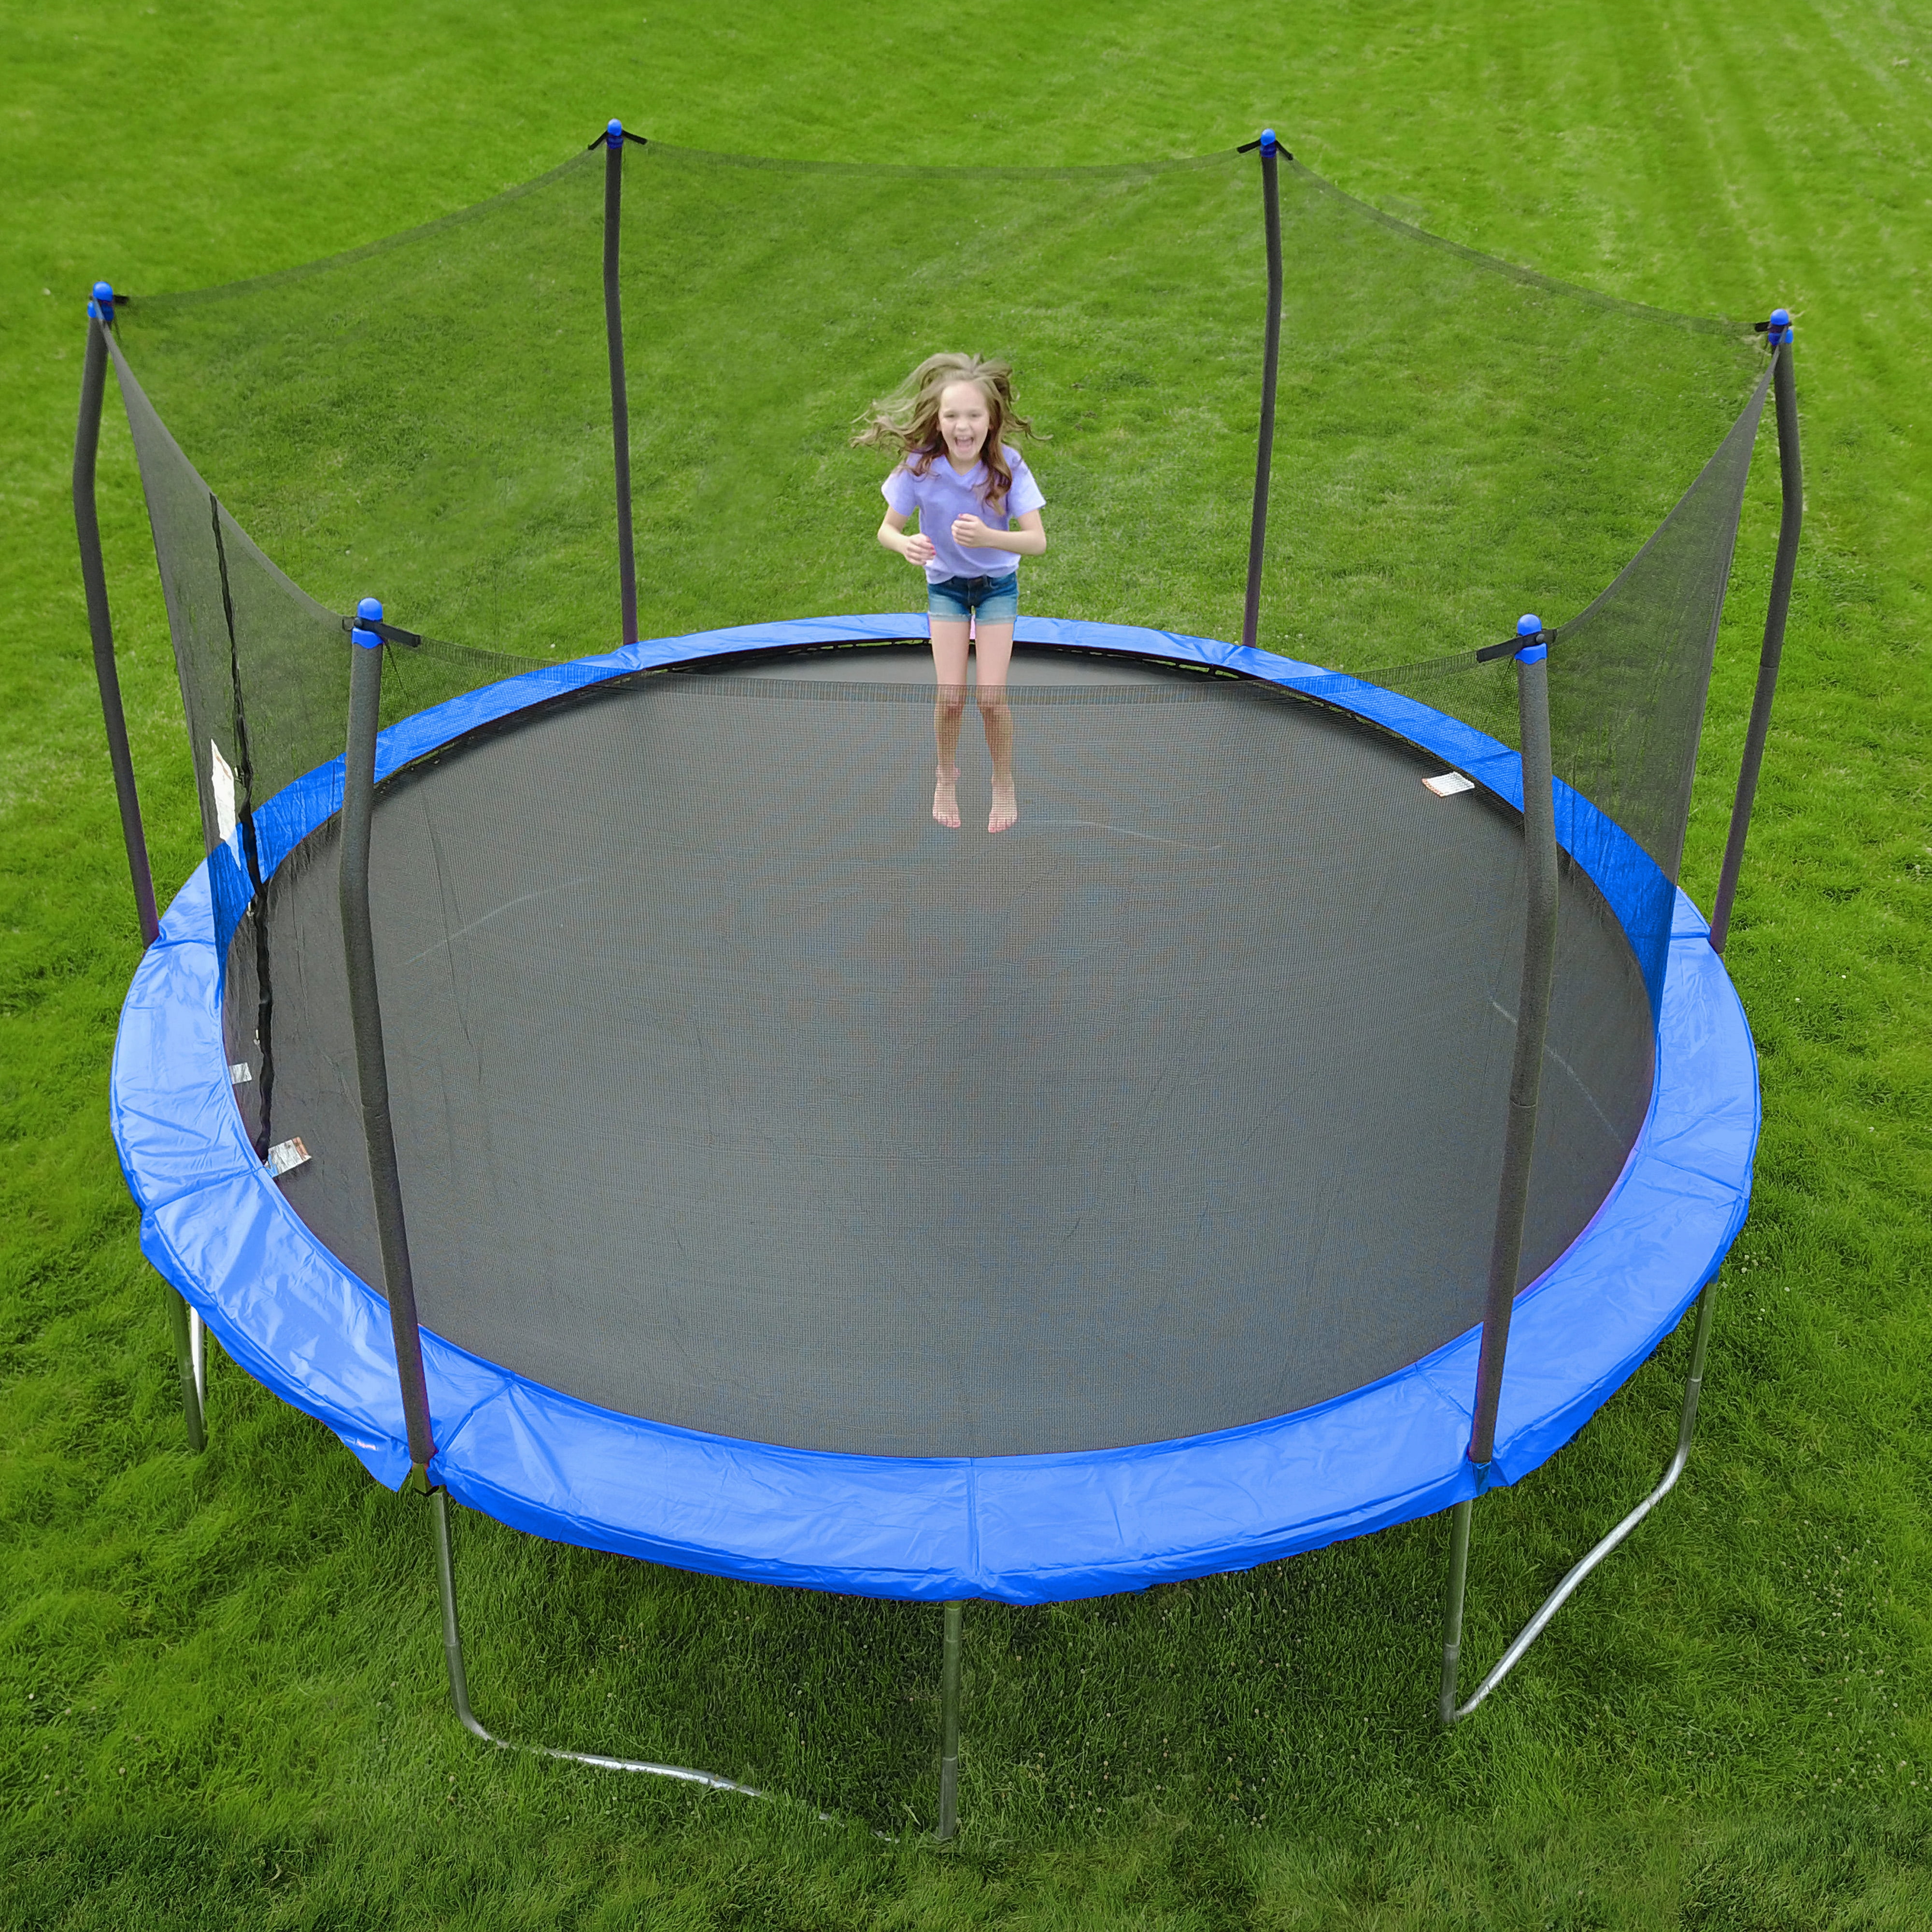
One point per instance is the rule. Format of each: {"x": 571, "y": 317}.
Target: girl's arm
{"x": 914, "y": 549}
{"x": 1027, "y": 537}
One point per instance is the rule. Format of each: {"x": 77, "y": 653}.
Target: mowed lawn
{"x": 222, "y": 1699}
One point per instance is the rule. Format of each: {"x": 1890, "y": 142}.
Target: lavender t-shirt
{"x": 942, "y": 494}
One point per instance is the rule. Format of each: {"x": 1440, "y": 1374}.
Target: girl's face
{"x": 963, "y": 419}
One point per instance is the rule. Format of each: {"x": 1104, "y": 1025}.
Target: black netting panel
{"x": 264, "y": 668}
{"x": 1628, "y": 679}
{"x": 732, "y": 1091}
{"x": 264, "y": 674}
{"x": 428, "y": 419}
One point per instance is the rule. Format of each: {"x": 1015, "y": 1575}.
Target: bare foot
{"x": 946, "y": 799}
{"x": 1005, "y": 807}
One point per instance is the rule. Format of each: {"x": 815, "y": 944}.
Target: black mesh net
{"x": 729, "y": 1088}
{"x": 732, "y": 1091}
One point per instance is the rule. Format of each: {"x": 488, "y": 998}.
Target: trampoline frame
{"x": 186, "y": 1321}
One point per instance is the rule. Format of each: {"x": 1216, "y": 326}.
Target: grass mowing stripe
{"x": 1713, "y": 1738}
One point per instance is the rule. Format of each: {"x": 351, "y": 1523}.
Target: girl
{"x": 979, "y": 513}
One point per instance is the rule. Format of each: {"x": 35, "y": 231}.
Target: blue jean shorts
{"x": 995, "y": 600}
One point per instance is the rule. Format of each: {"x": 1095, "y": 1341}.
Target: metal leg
{"x": 1453, "y": 1593}
{"x": 459, "y": 1681}
{"x": 191, "y": 1361}
{"x": 949, "y": 1723}
{"x": 1459, "y": 1550}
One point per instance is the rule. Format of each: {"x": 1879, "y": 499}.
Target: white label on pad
{"x": 285, "y": 1155}
{"x": 221, "y": 782}
{"x": 1449, "y": 784}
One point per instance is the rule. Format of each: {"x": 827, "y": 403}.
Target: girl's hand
{"x": 919, "y": 549}
{"x": 970, "y": 532}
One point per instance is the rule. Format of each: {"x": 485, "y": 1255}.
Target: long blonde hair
{"x": 908, "y": 418}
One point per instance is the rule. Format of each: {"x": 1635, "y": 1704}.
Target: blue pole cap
{"x": 103, "y": 304}
{"x": 613, "y": 135}
{"x": 1269, "y": 144}
{"x": 1778, "y": 328}
{"x": 371, "y": 611}
{"x": 1529, "y": 628}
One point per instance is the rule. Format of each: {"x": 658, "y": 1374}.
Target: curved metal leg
{"x": 1451, "y": 1712}
{"x": 191, "y": 1361}
{"x": 459, "y": 1682}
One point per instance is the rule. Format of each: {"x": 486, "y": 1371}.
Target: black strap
{"x": 1249, "y": 147}
{"x": 604, "y": 139}
{"x": 1508, "y": 649}
{"x": 389, "y": 633}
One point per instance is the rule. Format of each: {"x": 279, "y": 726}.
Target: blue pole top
{"x": 613, "y": 135}
{"x": 1269, "y": 144}
{"x": 1529, "y": 628}
{"x": 1778, "y": 329}
{"x": 371, "y": 611}
{"x": 103, "y": 304}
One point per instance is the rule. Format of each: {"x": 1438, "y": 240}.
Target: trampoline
{"x": 1105, "y": 1203}
{"x": 798, "y": 1191}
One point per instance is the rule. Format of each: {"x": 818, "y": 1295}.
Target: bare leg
{"x": 993, "y": 647}
{"x": 949, "y": 670}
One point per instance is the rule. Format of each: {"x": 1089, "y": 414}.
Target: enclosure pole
{"x": 184, "y": 1323}
{"x": 949, "y": 1722}
{"x": 1251, "y": 613}
{"x": 93, "y": 578}
{"x": 1791, "y": 519}
{"x": 1532, "y": 1028}
{"x": 620, "y": 408}
{"x": 365, "y": 1013}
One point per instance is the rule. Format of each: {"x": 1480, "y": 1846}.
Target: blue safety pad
{"x": 1017, "y": 1529}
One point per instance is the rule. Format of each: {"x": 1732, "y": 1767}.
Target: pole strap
{"x": 603, "y": 141}
{"x": 389, "y": 633}
{"x": 1249, "y": 147}
{"x": 1507, "y": 648}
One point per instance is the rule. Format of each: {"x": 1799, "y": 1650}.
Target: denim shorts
{"x": 996, "y": 600}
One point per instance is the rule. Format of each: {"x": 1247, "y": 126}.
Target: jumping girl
{"x": 979, "y": 509}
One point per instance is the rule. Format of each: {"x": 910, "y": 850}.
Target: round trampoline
{"x": 606, "y": 1097}
{"x": 799, "y": 1192}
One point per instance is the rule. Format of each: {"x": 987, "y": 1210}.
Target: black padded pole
{"x": 1251, "y": 613}
{"x": 190, "y": 1361}
{"x": 620, "y": 407}
{"x": 94, "y": 577}
{"x": 1791, "y": 520}
{"x": 365, "y": 1013}
{"x": 1532, "y": 1029}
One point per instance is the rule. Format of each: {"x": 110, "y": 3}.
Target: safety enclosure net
{"x": 732, "y": 1091}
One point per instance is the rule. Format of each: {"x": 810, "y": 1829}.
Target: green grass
{"x": 220, "y": 1694}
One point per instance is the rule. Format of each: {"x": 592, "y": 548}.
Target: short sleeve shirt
{"x": 942, "y": 494}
